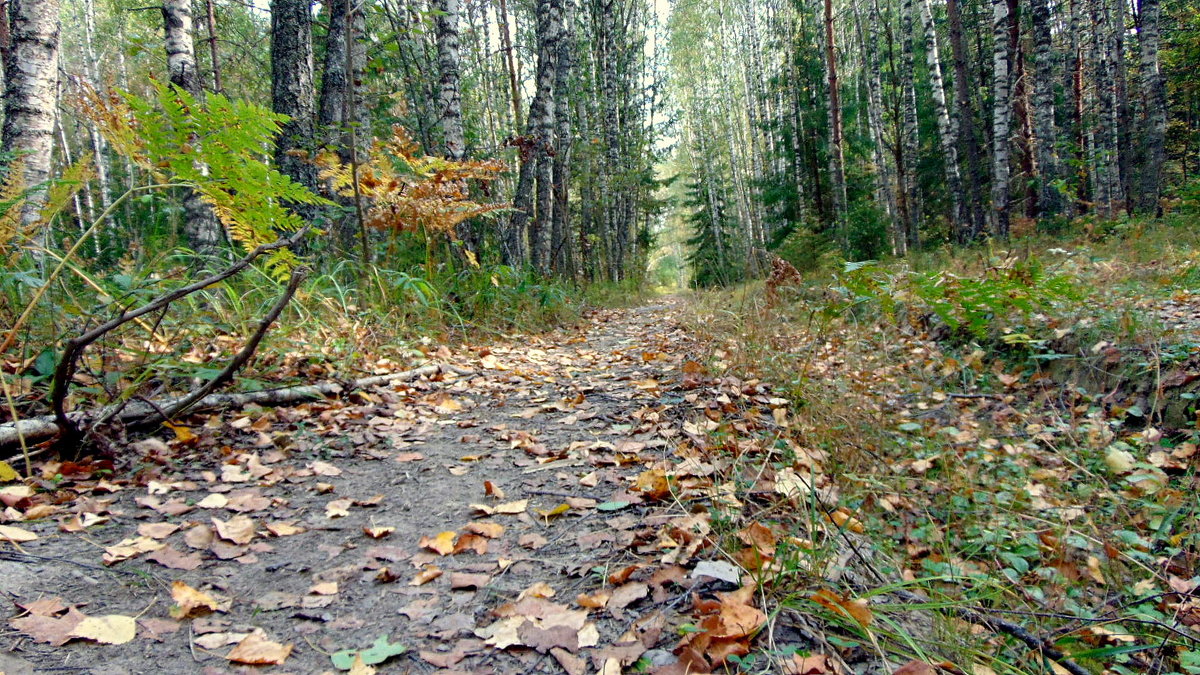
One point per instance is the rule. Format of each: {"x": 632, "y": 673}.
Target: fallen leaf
{"x": 284, "y": 529}
{"x": 338, "y": 508}
{"x": 112, "y": 629}
{"x": 257, "y": 650}
{"x": 379, "y": 651}
{"x": 442, "y": 544}
{"x": 190, "y": 602}
{"x": 16, "y": 535}
{"x": 426, "y": 575}
{"x": 157, "y": 530}
{"x": 485, "y": 528}
{"x": 129, "y": 548}
{"x": 463, "y": 580}
{"x": 49, "y": 630}
{"x": 915, "y": 668}
{"x": 378, "y": 532}
{"x": 169, "y": 556}
{"x": 238, "y": 529}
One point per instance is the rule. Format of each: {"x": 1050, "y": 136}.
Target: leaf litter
{"x": 551, "y": 509}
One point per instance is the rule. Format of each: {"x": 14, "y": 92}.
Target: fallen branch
{"x": 41, "y": 428}
{"x": 998, "y": 625}
{"x": 73, "y": 348}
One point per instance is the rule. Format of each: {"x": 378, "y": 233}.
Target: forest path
{"x": 551, "y": 432}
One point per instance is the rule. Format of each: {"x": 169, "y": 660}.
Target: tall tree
{"x": 30, "y": 99}
{"x": 965, "y": 118}
{"x": 529, "y": 234}
{"x": 1154, "y": 93}
{"x": 1049, "y": 171}
{"x": 561, "y": 259}
{"x": 837, "y": 160}
{"x": 201, "y": 227}
{"x": 946, "y": 130}
{"x": 1001, "y": 115}
{"x": 449, "y": 97}
{"x": 292, "y": 87}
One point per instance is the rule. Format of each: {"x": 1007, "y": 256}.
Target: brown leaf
{"x": 130, "y": 548}
{"x": 624, "y": 596}
{"x": 49, "y": 630}
{"x": 238, "y": 529}
{"x": 485, "y": 528}
{"x": 171, "y": 557}
{"x": 471, "y": 542}
{"x": 463, "y": 580}
{"x": 157, "y": 530}
{"x": 426, "y": 575}
{"x": 256, "y": 650}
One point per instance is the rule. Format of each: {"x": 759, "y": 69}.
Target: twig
{"x": 1040, "y": 645}
{"x": 40, "y": 428}
{"x": 75, "y": 346}
{"x": 241, "y": 358}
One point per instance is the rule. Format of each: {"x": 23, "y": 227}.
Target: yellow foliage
{"x": 409, "y": 191}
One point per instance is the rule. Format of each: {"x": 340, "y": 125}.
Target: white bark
{"x": 30, "y": 100}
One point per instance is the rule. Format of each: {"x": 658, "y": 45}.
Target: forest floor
{"x": 515, "y": 519}
{"x": 794, "y": 481}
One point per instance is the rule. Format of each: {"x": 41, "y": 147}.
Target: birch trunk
{"x": 201, "y": 227}
{"x": 30, "y": 97}
{"x": 1046, "y": 137}
{"x": 910, "y": 141}
{"x": 965, "y": 117}
{"x": 946, "y": 130}
{"x": 1001, "y": 116}
{"x": 529, "y": 225}
{"x": 562, "y": 260}
{"x": 837, "y": 171}
{"x": 449, "y": 97}
{"x": 1154, "y": 94}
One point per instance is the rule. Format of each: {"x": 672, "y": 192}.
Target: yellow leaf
{"x": 556, "y": 511}
{"x": 113, "y": 629}
{"x": 7, "y": 473}
{"x": 442, "y": 544}
{"x": 16, "y": 534}
{"x": 190, "y": 602}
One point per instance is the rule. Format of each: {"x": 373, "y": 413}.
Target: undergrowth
{"x": 954, "y": 478}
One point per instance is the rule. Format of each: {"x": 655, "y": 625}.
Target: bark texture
{"x": 292, "y": 88}
{"x": 1154, "y": 94}
{"x": 449, "y": 96}
{"x": 1049, "y": 171}
{"x": 200, "y": 225}
{"x": 30, "y": 99}
{"x": 1001, "y": 116}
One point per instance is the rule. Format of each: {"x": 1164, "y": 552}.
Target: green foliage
{"x": 867, "y": 232}
{"x": 712, "y": 256}
{"x": 216, "y": 147}
{"x": 805, "y": 249}
{"x": 1009, "y": 291}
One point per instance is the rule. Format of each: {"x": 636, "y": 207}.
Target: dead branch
{"x": 73, "y": 348}
{"x": 41, "y": 428}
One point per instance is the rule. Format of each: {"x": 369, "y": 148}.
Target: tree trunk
{"x": 341, "y": 116}
{"x": 1049, "y": 171}
{"x": 968, "y": 140}
{"x": 212, "y": 46}
{"x": 292, "y": 87}
{"x": 1001, "y": 116}
{"x": 910, "y": 138}
{"x": 530, "y": 220}
{"x": 30, "y": 101}
{"x": 562, "y": 259}
{"x": 837, "y": 162}
{"x": 449, "y": 99}
{"x": 1154, "y": 93}
{"x": 946, "y": 130}
{"x": 513, "y": 80}
{"x": 201, "y": 227}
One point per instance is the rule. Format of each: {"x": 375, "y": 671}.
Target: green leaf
{"x": 611, "y": 506}
{"x": 380, "y": 651}
{"x": 910, "y": 426}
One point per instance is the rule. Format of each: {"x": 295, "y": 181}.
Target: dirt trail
{"x": 566, "y": 421}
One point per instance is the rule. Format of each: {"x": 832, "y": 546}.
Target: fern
{"x": 214, "y": 147}
{"x": 409, "y": 191}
